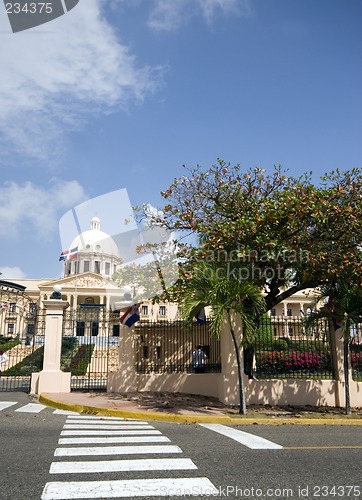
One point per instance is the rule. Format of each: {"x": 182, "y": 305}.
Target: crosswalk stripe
{"x": 122, "y": 465}
{"x": 103, "y": 423}
{"x": 160, "y": 487}
{"x": 104, "y": 418}
{"x": 116, "y": 450}
{"x": 110, "y": 433}
{"x": 65, "y": 412}
{"x": 31, "y": 408}
{"x": 109, "y": 427}
{"x": 6, "y": 404}
{"x": 249, "y": 440}
{"x": 100, "y": 417}
{"x": 115, "y": 440}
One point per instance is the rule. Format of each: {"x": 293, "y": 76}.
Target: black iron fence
{"x": 23, "y": 348}
{"x": 285, "y": 348}
{"x": 90, "y": 346}
{"x": 356, "y": 352}
{"x": 168, "y": 347}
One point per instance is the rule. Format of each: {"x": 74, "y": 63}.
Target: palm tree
{"x": 210, "y": 286}
{"x": 344, "y": 310}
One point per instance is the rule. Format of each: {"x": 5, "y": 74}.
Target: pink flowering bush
{"x": 356, "y": 361}
{"x": 292, "y": 361}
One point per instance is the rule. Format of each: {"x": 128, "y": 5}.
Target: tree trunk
{"x": 239, "y": 360}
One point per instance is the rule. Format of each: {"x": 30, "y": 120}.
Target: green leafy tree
{"x": 282, "y": 233}
{"x": 225, "y": 297}
{"x": 344, "y": 310}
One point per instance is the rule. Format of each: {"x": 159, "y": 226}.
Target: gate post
{"x": 52, "y": 378}
{"x": 126, "y": 378}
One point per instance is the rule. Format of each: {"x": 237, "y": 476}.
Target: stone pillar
{"x": 337, "y": 348}
{"x": 229, "y": 383}
{"x": 51, "y": 378}
{"x": 126, "y": 378}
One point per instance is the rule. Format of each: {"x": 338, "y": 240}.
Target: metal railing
{"x": 167, "y": 347}
{"x": 285, "y": 348}
{"x": 356, "y": 352}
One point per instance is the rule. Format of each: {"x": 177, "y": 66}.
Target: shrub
{"x": 356, "y": 361}
{"x": 289, "y": 362}
{"x": 81, "y": 360}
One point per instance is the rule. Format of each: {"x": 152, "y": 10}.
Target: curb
{"x": 191, "y": 419}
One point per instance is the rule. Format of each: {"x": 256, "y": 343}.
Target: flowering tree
{"x": 283, "y": 234}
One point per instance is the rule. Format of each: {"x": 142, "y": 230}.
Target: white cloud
{"x": 169, "y": 15}
{"x": 12, "y": 272}
{"x": 27, "y": 205}
{"x": 55, "y": 75}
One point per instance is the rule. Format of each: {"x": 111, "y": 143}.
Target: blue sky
{"x": 122, "y": 93}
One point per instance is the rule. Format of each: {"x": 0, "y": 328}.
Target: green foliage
{"x": 30, "y": 364}
{"x": 82, "y": 359}
{"x": 280, "y": 345}
{"x": 265, "y": 333}
{"x": 286, "y": 234}
{"x": 69, "y": 349}
{"x": 7, "y": 343}
{"x": 344, "y": 310}
{"x": 223, "y": 294}
{"x": 34, "y": 361}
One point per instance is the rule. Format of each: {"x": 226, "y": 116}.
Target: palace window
{"x": 80, "y": 328}
{"x": 97, "y": 266}
{"x": 94, "y": 328}
{"x": 107, "y": 269}
{"x": 144, "y": 310}
{"x": 162, "y": 311}
{"x": 86, "y": 266}
{"x": 11, "y": 327}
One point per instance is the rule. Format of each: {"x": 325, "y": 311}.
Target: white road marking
{"x": 110, "y": 433}
{"x": 143, "y": 464}
{"x": 73, "y": 421}
{"x": 6, "y": 404}
{"x": 65, "y": 412}
{"x": 195, "y": 486}
{"x": 31, "y": 408}
{"x": 115, "y": 440}
{"x": 100, "y": 417}
{"x": 115, "y": 427}
{"x": 249, "y": 440}
{"x": 116, "y": 450}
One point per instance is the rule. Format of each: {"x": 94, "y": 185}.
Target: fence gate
{"x": 21, "y": 338}
{"x": 90, "y": 346}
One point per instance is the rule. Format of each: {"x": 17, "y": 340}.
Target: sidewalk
{"x": 188, "y": 408}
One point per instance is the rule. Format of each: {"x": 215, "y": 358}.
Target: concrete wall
{"x": 224, "y": 385}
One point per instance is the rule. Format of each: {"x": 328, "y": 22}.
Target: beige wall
{"x": 224, "y": 385}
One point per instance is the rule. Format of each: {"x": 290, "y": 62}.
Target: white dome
{"x": 95, "y": 240}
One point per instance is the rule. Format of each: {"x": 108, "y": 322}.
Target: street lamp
{"x": 57, "y": 292}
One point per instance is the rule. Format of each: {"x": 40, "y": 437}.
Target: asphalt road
{"x": 315, "y": 461}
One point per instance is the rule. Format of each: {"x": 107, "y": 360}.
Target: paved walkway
{"x": 189, "y": 408}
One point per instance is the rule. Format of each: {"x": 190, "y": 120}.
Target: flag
{"x": 73, "y": 252}
{"x": 131, "y": 316}
{"x": 201, "y": 317}
{"x": 64, "y": 255}
{"x": 336, "y": 323}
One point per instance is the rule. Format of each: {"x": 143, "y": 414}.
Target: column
{"x": 126, "y": 378}
{"x": 51, "y": 378}
{"x": 229, "y": 383}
